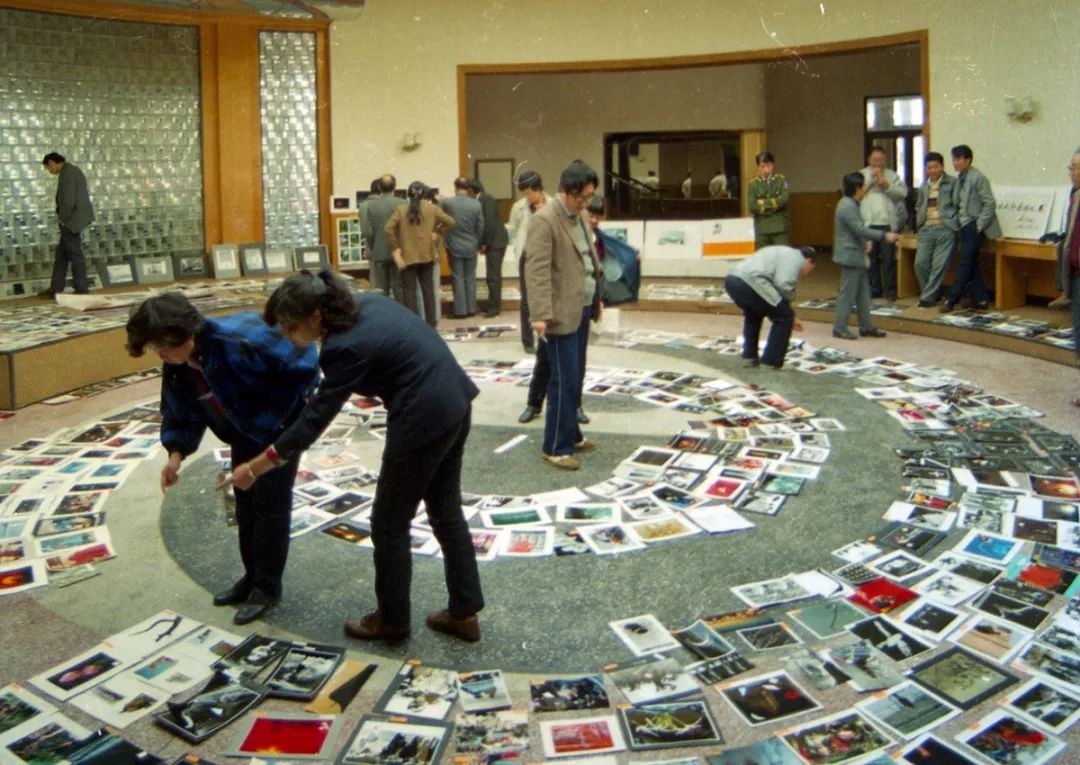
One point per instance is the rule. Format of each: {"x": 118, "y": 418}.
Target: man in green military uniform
{"x": 768, "y": 199}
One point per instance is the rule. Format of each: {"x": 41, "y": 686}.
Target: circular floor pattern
{"x": 533, "y": 620}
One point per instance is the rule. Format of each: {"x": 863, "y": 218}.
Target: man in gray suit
{"x": 463, "y": 242}
{"x": 976, "y": 212}
{"x": 936, "y": 221}
{"x": 385, "y": 275}
{"x": 76, "y": 212}
{"x": 850, "y": 238}
{"x": 493, "y": 244}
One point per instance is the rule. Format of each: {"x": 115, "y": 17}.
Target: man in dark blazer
{"x": 76, "y": 212}
{"x": 463, "y": 242}
{"x": 493, "y": 244}
{"x": 937, "y": 224}
{"x": 975, "y": 207}
{"x": 561, "y": 268}
{"x": 849, "y": 252}
{"x": 385, "y": 276}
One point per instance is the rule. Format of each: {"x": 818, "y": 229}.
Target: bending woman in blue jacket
{"x": 214, "y": 376}
{"x": 373, "y": 346}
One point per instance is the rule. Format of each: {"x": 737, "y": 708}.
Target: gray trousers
{"x": 854, "y": 293}
{"x": 936, "y": 246}
{"x": 463, "y": 280}
{"x": 386, "y": 278}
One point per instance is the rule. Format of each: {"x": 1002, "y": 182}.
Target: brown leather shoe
{"x": 467, "y": 629}
{"x": 370, "y": 627}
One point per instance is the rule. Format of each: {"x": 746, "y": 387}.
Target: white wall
{"x": 393, "y": 66}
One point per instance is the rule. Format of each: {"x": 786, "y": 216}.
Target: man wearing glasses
{"x": 561, "y": 272}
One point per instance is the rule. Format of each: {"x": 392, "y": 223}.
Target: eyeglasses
{"x": 581, "y": 197}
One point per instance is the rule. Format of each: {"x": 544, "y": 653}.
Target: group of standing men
{"x": 477, "y": 229}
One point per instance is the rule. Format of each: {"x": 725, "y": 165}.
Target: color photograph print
{"x": 609, "y": 539}
{"x": 835, "y": 739}
{"x": 1022, "y": 614}
{"x": 492, "y": 737}
{"x": 1050, "y": 663}
{"x": 382, "y": 740}
{"x": 933, "y": 620}
{"x": 881, "y": 595}
{"x": 989, "y": 548}
{"x": 284, "y": 736}
{"x": 483, "y": 691}
{"x": 961, "y": 678}
{"x": 23, "y": 576}
{"x": 120, "y": 701}
{"x": 581, "y": 736}
{"x": 644, "y": 634}
{"x": 821, "y": 673}
{"x": 907, "y": 710}
{"x": 78, "y": 674}
{"x": 568, "y": 693}
{"x": 49, "y": 742}
{"x": 663, "y": 725}
{"x": 662, "y": 529}
{"x": 769, "y": 637}
{"x": 996, "y": 640}
{"x": 1009, "y": 740}
{"x": 767, "y": 699}
{"x": 771, "y": 751}
{"x": 651, "y": 679}
{"x": 19, "y": 708}
{"x": 932, "y": 751}
{"x": 420, "y": 691}
{"x": 867, "y": 667}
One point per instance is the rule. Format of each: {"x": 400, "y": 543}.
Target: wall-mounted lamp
{"x": 1020, "y": 109}
{"x": 412, "y": 141}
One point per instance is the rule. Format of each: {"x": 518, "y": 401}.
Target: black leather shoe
{"x": 528, "y": 414}
{"x": 981, "y": 305}
{"x": 926, "y": 304}
{"x": 845, "y": 335}
{"x": 872, "y": 332}
{"x": 490, "y": 314}
{"x": 582, "y": 418}
{"x": 256, "y": 604}
{"x": 236, "y": 594}
{"x": 947, "y": 308}
{"x": 47, "y": 294}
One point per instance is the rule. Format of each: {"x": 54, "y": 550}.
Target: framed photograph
{"x": 420, "y": 691}
{"x": 836, "y": 739}
{"x": 303, "y": 671}
{"x": 581, "y": 736}
{"x": 651, "y": 679}
{"x": 257, "y": 656}
{"x": 154, "y": 270}
{"x": 644, "y": 634}
{"x": 117, "y": 272}
{"x": 1002, "y": 732}
{"x": 497, "y": 175}
{"x": 297, "y": 737}
{"x": 252, "y": 262}
{"x": 226, "y": 258}
{"x": 189, "y": 265}
{"x": 492, "y": 737}
{"x": 768, "y": 698}
{"x": 313, "y": 257}
{"x": 568, "y": 693}
{"x": 277, "y": 260}
{"x": 378, "y": 740}
{"x": 907, "y": 710}
{"x": 662, "y": 725}
{"x": 961, "y": 678}
{"x": 483, "y": 691}
{"x": 221, "y": 701}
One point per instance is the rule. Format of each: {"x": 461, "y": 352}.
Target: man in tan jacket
{"x": 561, "y": 272}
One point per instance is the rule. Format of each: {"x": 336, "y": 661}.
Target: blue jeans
{"x": 561, "y": 430}
{"x": 967, "y": 268}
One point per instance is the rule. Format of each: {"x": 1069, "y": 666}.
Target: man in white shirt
{"x": 718, "y": 185}
{"x": 882, "y": 210}
{"x": 531, "y": 185}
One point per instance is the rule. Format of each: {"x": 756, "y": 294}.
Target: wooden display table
{"x": 1021, "y": 268}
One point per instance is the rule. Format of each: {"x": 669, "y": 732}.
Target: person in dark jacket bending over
{"x": 214, "y": 376}
{"x": 373, "y": 346}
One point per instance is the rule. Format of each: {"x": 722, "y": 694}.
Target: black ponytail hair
{"x": 416, "y": 193}
{"x": 302, "y": 294}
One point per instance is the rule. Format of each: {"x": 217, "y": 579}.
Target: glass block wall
{"x": 121, "y": 101}
{"x": 289, "y": 139}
